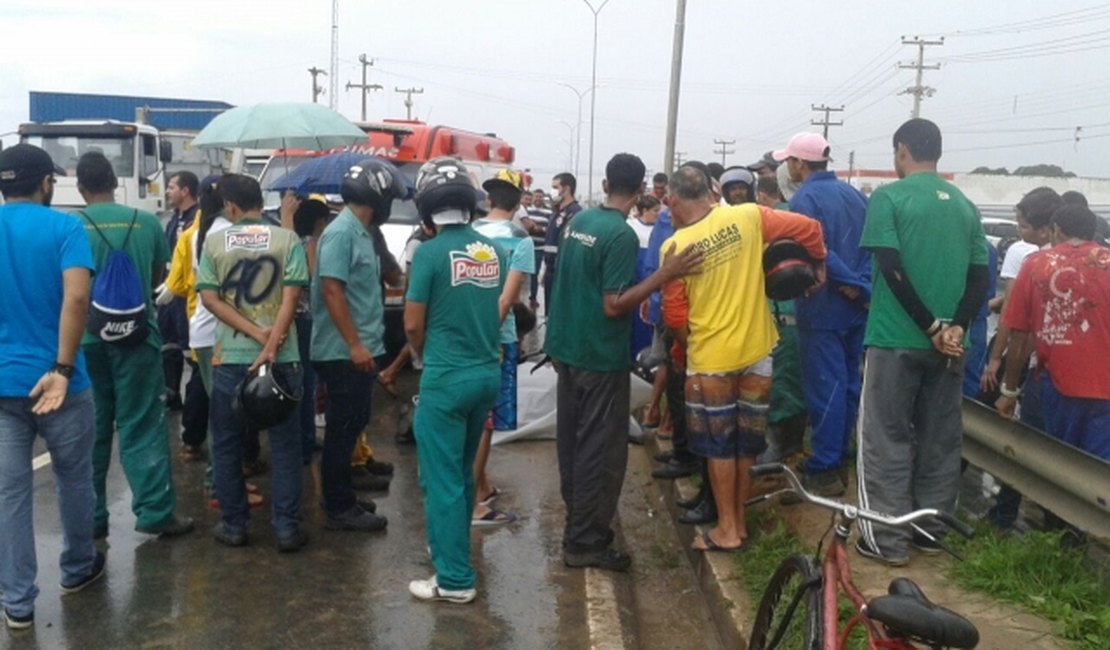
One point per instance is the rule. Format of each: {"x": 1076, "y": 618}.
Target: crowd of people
{"x": 872, "y": 351}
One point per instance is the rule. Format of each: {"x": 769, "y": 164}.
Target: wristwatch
{"x": 63, "y": 370}
{"x": 1005, "y": 391}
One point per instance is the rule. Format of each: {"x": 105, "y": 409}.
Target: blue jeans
{"x": 347, "y": 413}
{"x": 69, "y": 433}
{"x": 306, "y": 414}
{"x": 227, "y": 453}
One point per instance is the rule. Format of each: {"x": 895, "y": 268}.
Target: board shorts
{"x": 726, "y": 413}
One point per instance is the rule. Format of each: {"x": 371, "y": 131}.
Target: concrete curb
{"x": 719, "y": 581}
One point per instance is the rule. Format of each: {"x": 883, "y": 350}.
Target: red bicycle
{"x": 895, "y": 621}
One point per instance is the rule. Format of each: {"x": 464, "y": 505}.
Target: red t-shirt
{"x": 1062, "y": 297}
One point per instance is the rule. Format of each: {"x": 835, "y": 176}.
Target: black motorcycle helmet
{"x": 374, "y": 183}
{"x": 788, "y": 270}
{"x": 445, "y": 193}
{"x": 264, "y": 399}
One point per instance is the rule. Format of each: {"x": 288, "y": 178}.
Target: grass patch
{"x": 1035, "y": 572}
{"x": 758, "y": 564}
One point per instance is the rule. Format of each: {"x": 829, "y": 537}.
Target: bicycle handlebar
{"x": 856, "y": 512}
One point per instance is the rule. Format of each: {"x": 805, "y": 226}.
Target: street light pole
{"x": 593, "y": 96}
{"x": 581, "y": 94}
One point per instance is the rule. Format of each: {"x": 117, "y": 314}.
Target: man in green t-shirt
{"x": 250, "y": 277}
{"x": 127, "y": 402}
{"x": 930, "y": 279}
{"x": 452, "y": 320}
{"x": 588, "y": 335}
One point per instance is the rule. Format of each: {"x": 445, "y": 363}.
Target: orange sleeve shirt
{"x": 724, "y": 305}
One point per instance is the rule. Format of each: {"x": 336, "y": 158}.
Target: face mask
{"x": 556, "y": 195}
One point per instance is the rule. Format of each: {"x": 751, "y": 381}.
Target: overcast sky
{"x": 1017, "y": 77}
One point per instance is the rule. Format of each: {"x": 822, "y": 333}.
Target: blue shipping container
{"x": 55, "y": 107}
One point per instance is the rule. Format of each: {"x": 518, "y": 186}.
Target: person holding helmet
{"x": 250, "y": 277}
{"x": 516, "y": 247}
{"x": 452, "y": 320}
{"x": 724, "y": 336}
{"x": 347, "y": 333}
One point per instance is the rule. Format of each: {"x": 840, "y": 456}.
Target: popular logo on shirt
{"x": 249, "y": 238}
{"x": 478, "y": 266}
{"x": 943, "y": 196}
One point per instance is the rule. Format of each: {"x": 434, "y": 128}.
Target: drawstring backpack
{"x": 117, "y": 309}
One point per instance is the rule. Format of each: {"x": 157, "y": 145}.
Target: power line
{"x": 918, "y": 90}
{"x": 1054, "y": 21}
{"x": 825, "y": 123}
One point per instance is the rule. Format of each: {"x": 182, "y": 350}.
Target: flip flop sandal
{"x": 496, "y": 492}
{"x": 714, "y": 547}
{"x": 493, "y": 518}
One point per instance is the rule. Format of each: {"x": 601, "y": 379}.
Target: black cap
{"x": 766, "y": 161}
{"x": 25, "y": 162}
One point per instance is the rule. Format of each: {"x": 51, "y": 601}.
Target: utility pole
{"x": 676, "y": 81}
{"x": 724, "y": 151}
{"x": 918, "y": 90}
{"x": 678, "y": 160}
{"x": 364, "y": 87}
{"x": 851, "y": 166}
{"x": 409, "y": 92}
{"x": 825, "y": 123}
{"x": 317, "y": 89}
{"x": 333, "y": 90}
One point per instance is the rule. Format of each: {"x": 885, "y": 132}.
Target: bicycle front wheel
{"x": 778, "y": 623}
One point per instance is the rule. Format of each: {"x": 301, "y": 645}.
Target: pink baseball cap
{"x": 810, "y": 147}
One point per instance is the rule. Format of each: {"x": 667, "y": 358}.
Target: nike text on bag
{"x": 117, "y": 309}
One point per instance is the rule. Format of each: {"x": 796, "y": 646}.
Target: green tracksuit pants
{"x": 448, "y": 426}
{"x": 130, "y": 403}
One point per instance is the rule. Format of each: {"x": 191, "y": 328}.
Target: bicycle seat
{"x": 907, "y": 612}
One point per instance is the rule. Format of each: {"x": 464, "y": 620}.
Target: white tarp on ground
{"x": 536, "y": 404}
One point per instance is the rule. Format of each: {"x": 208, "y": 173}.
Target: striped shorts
{"x": 726, "y": 414}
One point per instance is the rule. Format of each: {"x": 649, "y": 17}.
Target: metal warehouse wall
{"x": 54, "y": 107}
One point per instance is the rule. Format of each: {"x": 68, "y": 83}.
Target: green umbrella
{"x": 280, "y": 126}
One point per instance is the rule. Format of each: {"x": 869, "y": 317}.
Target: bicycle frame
{"x": 836, "y": 576}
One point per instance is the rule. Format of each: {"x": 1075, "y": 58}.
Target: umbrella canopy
{"x": 280, "y": 126}
{"x": 324, "y": 175}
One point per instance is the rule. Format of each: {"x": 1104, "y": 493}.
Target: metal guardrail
{"x": 1071, "y": 483}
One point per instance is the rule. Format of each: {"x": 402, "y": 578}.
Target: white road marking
{"x": 40, "y": 461}
{"x": 602, "y": 614}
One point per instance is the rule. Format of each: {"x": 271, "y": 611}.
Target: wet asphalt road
{"x": 349, "y": 590}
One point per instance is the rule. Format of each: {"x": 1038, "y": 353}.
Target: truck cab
{"x": 137, "y": 152}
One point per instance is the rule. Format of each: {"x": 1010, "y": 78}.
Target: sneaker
{"x": 368, "y": 481}
{"x": 429, "y": 590}
{"x": 663, "y": 456}
{"x": 610, "y": 560}
{"x": 174, "y": 527}
{"x": 865, "y": 549}
{"x": 94, "y": 575}
{"x": 18, "y": 622}
{"x": 356, "y": 519}
{"x": 926, "y": 545}
{"x": 292, "y": 543}
{"x": 228, "y": 536}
